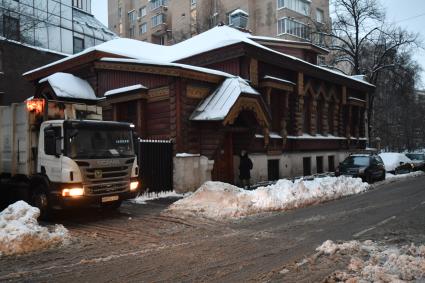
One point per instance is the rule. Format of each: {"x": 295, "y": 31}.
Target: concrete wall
{"x": 190, "y": 172}
{"x": 290, "y": 164}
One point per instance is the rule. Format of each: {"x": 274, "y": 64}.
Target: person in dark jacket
{"x": 245, "y": 167}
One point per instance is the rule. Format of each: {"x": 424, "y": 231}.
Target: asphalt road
{"x": 143, "y": 243}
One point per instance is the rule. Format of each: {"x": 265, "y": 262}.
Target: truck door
{"x": 50, "y": 152}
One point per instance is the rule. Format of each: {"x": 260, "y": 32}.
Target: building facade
{"x": 172, "y": 21}
{"x": 65, "y": 26}
{"x": 222, "y": 92}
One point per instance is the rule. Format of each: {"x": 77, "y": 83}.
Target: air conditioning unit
{"x": 139, "y": 19}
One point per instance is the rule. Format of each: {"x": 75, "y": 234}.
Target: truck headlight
{"x": 134, "y": 185}
{"x": 73, "y": 192}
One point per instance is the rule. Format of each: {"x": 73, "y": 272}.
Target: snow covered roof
{"x": 124, "y": 89}
{"x": 69, "y": 86}
{"x": 218, "y": 37}
{"x": 239, "y": 11}
{"x": 278, "y": 80}
{"x": 216, "y": 106}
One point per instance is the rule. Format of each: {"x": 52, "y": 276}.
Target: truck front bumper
{"x": 58, "y": 201}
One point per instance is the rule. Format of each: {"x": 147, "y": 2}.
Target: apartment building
{"x": 171, "y": 21}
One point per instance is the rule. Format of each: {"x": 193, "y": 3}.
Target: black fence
{"x": 155, "y": 159}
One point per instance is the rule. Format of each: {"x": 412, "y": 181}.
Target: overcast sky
{"x": 409, "y": 14}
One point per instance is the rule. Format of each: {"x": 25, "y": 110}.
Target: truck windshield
{"x": 96, "y": 142}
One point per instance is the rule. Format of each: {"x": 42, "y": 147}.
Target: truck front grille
{"x": 99, "y": 180}
{"x": 109, "y": 188}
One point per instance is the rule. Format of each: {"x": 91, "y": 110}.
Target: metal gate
{"x": 156, "y": 165}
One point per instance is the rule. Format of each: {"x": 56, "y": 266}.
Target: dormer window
{"x": 238, "y": 18}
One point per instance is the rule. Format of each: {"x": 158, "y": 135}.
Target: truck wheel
{"x": 112, "y": 206}
{"x": 40, "y": 200}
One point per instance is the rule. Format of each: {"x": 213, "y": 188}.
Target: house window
{"x": 78, "y": 44}
{"x": 142, "y": 12}
{"x": 143, "y": 28}
{"x": 192, "y": 2}
{"x": 11, "y": 28}
{"x": 307, "y": 166}
{"x": 320, "y": 16}
{"x": 158, "y": 19}
{"x": 157, "y": 3}
{"x": 238, "y": 18}
{"x": 131, "y": 32}
{"x": 273, "y": 169}
{"x": 132, "y": 16}
{"x": 300, "y": 6}
{"x": 331, "y": 163}
{"x": 319, "y": 164}
{"x": 288, "y": 26}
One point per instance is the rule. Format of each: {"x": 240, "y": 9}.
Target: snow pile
{"x": 393, "y": 159}
{"x": 220, "y": 201}
{"x": 416, "y": 174}
{"x": 142, "y": 199}
{"x": 371, "y": 262}
{"x": 20, "y": 232}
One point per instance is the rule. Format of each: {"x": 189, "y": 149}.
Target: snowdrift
{"x": 223, "y": 201}
{"x": 21, "y": 233}
{"x": 371, "y": 262}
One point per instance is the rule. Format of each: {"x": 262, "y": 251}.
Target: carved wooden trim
{"x": 250, "y": 104}
{"x": 159, "y": 70}
{"x": 253, "y": 71}
{"x": 300, "y": 84}
{"x": 276, "y": 85}
{"x": 196, "y": 91}
{"x": 158, "y": 94}
{"x": 125, "y": 97}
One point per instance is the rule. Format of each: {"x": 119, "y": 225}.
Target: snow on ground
{"x": 222, "y": 201}
{"x": 142, "y": 199}
{"x": 391, "y": 178}
{"x": 21, "y": 233}
{"x": 372, "y": 262}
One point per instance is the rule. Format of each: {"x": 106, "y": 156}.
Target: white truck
{"x": 61, "y": 154}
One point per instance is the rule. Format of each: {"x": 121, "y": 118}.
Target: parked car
{"x": 369, "y": 167}
{"x": 418, "y": 160}
{"x": 397, "y": 163}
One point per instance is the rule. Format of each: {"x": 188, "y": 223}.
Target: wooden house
{"x": 224, "y": 91}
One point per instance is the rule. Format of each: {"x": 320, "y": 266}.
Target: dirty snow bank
{"x": 142, "y": 199}
{"x": 390, "y": 176}
{"x": 371, "y": 262}
{"x": 220, "y": 201}
{"x": 20, "y": 232}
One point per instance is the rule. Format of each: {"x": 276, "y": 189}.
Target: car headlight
{"x": 73, "y": 192}
{"x": 134, "y": 185}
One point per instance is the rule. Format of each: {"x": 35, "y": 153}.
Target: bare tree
{"x": 362, "y": 43}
